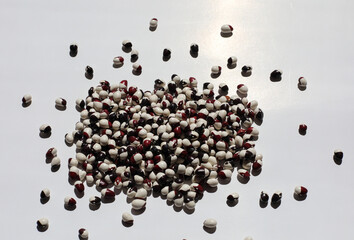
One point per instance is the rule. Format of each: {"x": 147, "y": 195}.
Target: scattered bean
{"x": 127, "y": 44}
{"x": 45, "y": 193}
{"x": 42, "y": 224}
{"x": 194, "y": 48}
{"x": 300, "y": 190}
{"x": 226, "y": 28}
{"x": 276, "y": 198}
{"x": 153, "y": 23}
{"x": 127, "y": 218}
{"x": 83, "y": 233}
{"x": 210, "y": 223}
{"x": 27, "y": 99}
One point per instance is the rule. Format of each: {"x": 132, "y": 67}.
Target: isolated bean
{"x": 118, "y": 60}
{"x": 153, "y": 22}
{"x": 276, "y": 198}
{"x": 83, "y": 233}
{"x": 215, "y": 70}
{"x": 233, "y": 197}
{"x": 45, "y": 193}
{"x": 226, "y": 28}
{"x": 73, "y": 49}
{"x": 127, "y": 218}
{"x": 248, "y": 238}
{"x": 134, "y": 55}
{"x": 300, "y": 190}
{"x": 137, "y": 67}
{"x": 89, "y": 70}
{"x": 194, "y": 48}
{"x": 264, "y": 197}
{"x": 27, "y": 99}
{"x": 232, "y": 60}
{"x": 338, "y": 154}
{"x": 51, "y": 153}
{"x": 210, "y": 223}
{"x": 302, "y": 129}
{"x": 127, "y": 44}
{"x": 42, "y": 224}
{"x": 45, "y": 128}
{"x": 276, "y": 75}
{"x": 302, "y": 83}
{"x": 166, "y": 53}
{"x": 60, "y": 102}
{"x": 247, "y": 69}
{"x": 95, "y": 201}
{"x": 69, "y": 201}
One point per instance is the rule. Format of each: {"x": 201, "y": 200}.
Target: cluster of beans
{"x": 174, "y": 140}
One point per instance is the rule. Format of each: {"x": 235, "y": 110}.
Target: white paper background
{"x": 303, "y": 38}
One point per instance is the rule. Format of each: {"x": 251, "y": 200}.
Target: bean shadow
{"x": 138, "y": 212}
{"x": 117, "y": 65}
{"x": 231, "y": 66}
{"x": 126, "y": 50}
{"x": 210, "y": 189}
{"x": 301, "y": 87}
{"x": 231, "y": 203}
{"x": 44, "y": 200}
{"x": 275, "y": 78}
{"x": 214, "y": 76}
{"x": 127, "y": 224}
{"x": 94, "y": 207}
{"x": 42, "y": 228}
{"x": 256, "y": 172}
{"x": 337, "y": 160}
{"x": 134, "y": 59}
{"x": 188, "y": 211}
{"x": 302, "y": 132}
{"x": 262, "y": 204}
{"x": 166, "y": 58}
{"x": 226, "y": 35}
{"x": 69, "y": 208}
{"x": 136, "y": 73}
{"x": 243, "y": 180}
{"x": 209, "y": 230}
{"x": 194, "y": 54}
{"x": 88, "y": 76}
{"x": 275, "y": 205}
{"x": 79, "y": 194}
{"x": 24, "y": 105}
{"x": 246, "y": 74}
{"x": 177, "y": 209}
{"x": 45, "y": 135}
{"x": 298, "y": 197}
{"x": 73, "y": 53}
{"x": 55, "y": 168}
{"x": 152, "y": 29}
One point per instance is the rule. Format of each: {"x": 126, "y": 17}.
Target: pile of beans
{"x": 173, "y": 140}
